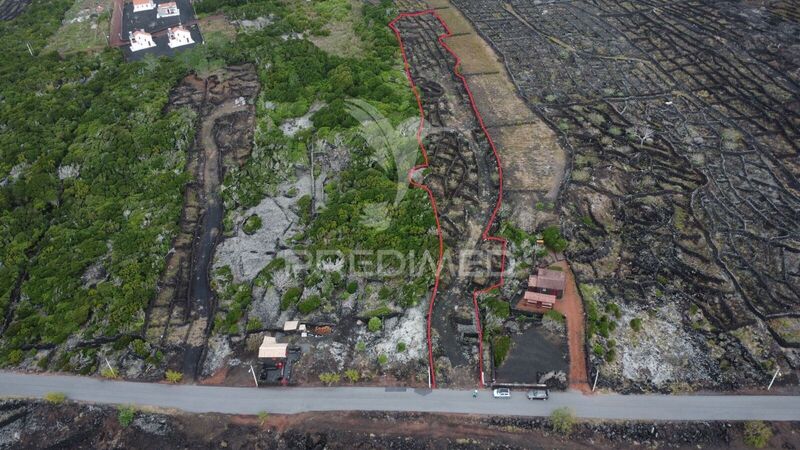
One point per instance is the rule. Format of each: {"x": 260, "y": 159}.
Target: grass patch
{"x": 338, "y": 36}
{"x": 55, "y": 398}
{"x": 173, "y": 376}
{"x": 378, "y": 312}
{"x": 374, "y": 325}
{"x": 291, "y": 297}
{"x": 125, "y": 415}
{"x": 217, "y": 30}
{"x": 757, "y": 434}
{"x": 787, "y": 327}
{"x": 499, "y": 308}
{"x": 84, "y": 28}
{"x": 555, "y": 315}
{"x": 501, "y": 346}
{"x": 252, "y": 224}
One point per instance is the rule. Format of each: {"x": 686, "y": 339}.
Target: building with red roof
{"x": 548, "y": 281}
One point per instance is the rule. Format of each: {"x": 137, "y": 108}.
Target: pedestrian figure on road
{"x": 475, "y": 393}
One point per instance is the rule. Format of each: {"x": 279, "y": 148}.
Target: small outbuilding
{"x": 271, "y": 349}
{"x": 548, "y": 281}
{"x": 539, "y": 300}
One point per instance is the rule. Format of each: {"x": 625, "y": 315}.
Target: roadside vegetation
{"x": 562, "y": 420}
{"x": 125, "y": 415}
{"x": 757, "y": 434}
{"x": 55, "y": 397}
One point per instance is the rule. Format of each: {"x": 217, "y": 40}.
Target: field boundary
{"x": 485, "y": 235}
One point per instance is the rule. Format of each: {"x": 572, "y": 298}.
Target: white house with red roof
{"x": 141, "y": 40}
{"x": 179, "y": 36}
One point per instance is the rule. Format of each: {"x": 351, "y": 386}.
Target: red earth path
{"x": 571, "y": 306}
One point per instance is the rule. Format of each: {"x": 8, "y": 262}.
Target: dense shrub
{"x": 757, "y": 434}
{"x": 173, "y": 376}
{"x": 562, "y": 420}
{"x": 374, "y": 325}
{"x": 252, "y": 224}
{"x": 125, "y": 415}
{"x": 553, "y": 239}
{"x": 310, "y": 304}
{"x": 291, "y": 297}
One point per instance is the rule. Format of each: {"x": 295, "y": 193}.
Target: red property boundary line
{"x": 486, "y": 236}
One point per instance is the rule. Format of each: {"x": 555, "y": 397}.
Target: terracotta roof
{"x": 142, "y": 2}
{"x": 536, "y": 297}
{"x": 548, "y": 279}
{"x": 168, "y": 5}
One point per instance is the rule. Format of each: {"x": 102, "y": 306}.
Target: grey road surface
{"x": 235, "y": 400}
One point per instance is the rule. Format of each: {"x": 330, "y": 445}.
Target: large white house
{"x": 169, "y": 9}
{"x": 179, "y": 36}
{"x": 143, "y": 5}
{"x": 141, "y": 40}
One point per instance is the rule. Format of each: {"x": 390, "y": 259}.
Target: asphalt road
{"x": 233, "y": 400}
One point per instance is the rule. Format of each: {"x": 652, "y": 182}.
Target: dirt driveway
{"x": 572, "y": 307}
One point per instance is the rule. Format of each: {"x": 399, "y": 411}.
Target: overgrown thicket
{"x": 92, "y": 169}
{"x": 295, "y": 74}
{"x": 91, "y": 173}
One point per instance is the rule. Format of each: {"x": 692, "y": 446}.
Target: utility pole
{"x": 113, "y": 372}
{"x": 596, "y": 374}
{"x": 253, "y": 371}
{"x": 429, "y": 377}
{"x": 777, "y": 372}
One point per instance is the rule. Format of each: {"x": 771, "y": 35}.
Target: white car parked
{"x": 502, "y": 393}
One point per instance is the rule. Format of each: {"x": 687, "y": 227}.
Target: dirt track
{"x": 115, "y": 35}
{"x": 572, "y": 307}
{"x": 179, "y": 317}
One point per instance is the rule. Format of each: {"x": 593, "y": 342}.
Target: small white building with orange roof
{"x": 169, "y": 9}
{"x": 143, "y": 5}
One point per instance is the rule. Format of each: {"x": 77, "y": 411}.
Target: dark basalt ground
{"x": 179, "y": 317}
{"x": 12, "y": 8}
{"x": 26, "y": 424}
{"x": 463, "y": 176}
{"x": 683, "y": 125}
